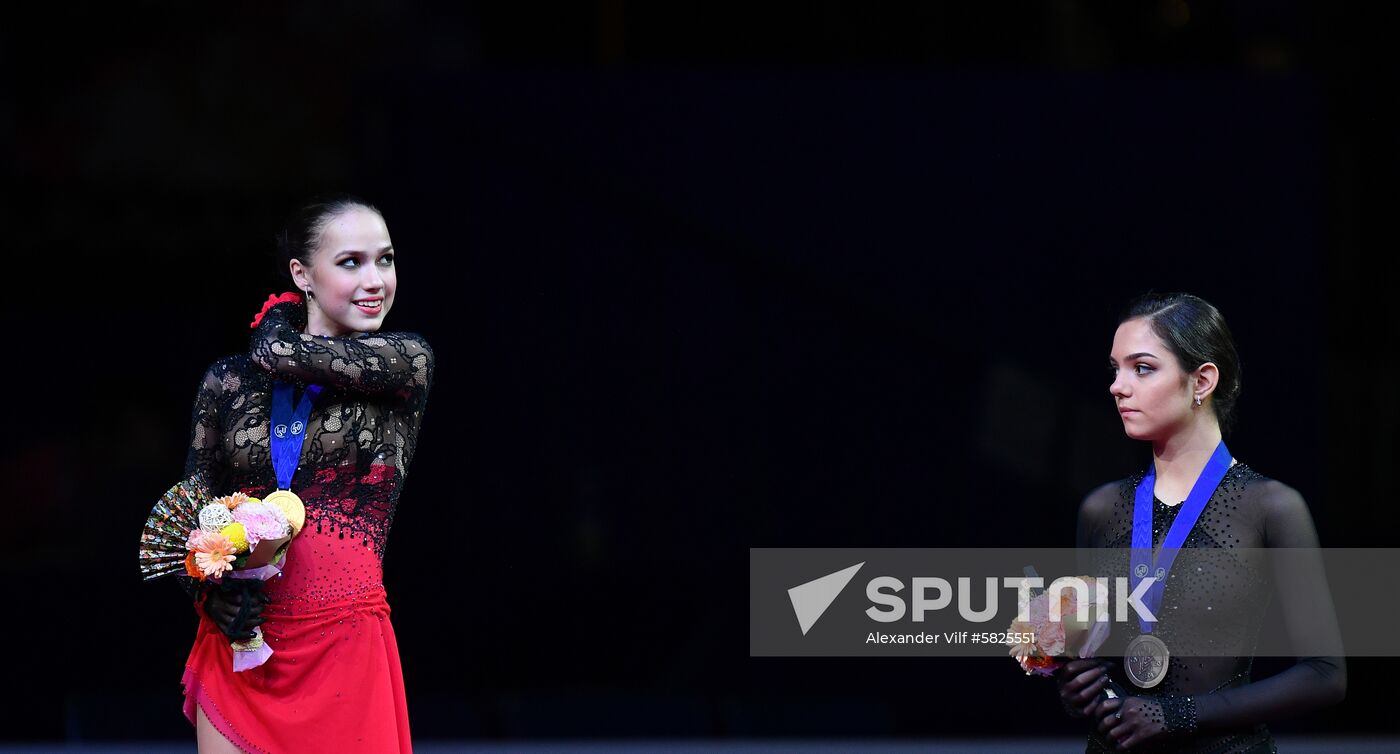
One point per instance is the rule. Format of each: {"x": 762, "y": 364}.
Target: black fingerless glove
{"x": 235, "y": 606}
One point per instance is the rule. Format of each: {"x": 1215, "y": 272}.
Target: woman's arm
{"x": 1301, "y": 582}
{"x": 1312, "y": 683}
{"x": 1081, "y": 681}
{"x": 398, "y": 363}
{"x": 204, "y": 456}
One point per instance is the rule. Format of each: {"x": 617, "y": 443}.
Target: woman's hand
{"x": 1131, "y": 721}
{"x": 1080, "y": 682}
{"x": 224, "y": 601}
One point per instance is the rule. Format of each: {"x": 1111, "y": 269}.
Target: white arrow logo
{"x": 811, "y": 599}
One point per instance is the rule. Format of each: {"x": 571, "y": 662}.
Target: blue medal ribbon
{"x": 289, "y": 430}
{"x": 1143, "y": 561}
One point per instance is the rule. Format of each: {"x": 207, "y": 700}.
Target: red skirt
{"x": 333, "y": 682}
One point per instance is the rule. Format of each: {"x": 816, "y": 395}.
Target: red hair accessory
{"x": 271, "y": 302}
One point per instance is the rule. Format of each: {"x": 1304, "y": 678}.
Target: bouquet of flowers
{"x": 236, "y": 534}
{"x": 212, "y": 539}
{"x": 1047, "y": 639}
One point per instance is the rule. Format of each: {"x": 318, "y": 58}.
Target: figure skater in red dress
{"x": 334, "y": 681}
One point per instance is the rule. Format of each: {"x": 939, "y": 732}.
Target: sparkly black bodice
{"x": 1213, "y": 606}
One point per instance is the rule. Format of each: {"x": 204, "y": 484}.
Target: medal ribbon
{"x": 289, "y": 430}
{"x": 1143, "y": 561}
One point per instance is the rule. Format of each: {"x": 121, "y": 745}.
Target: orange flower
{"x": 215, "y": 554}
{"x": 232, "y": 501}
{"x": 1033, "y": 664}
{"x": 191, "y": 569}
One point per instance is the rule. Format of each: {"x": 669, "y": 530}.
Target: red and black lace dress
{"x": 334, "y": 682}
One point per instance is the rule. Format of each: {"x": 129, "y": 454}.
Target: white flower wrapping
{"x": 1074, "y": 630}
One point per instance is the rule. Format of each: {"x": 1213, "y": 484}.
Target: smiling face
{"x": 351, "y": 275}
{"x": 1155, "y": 396}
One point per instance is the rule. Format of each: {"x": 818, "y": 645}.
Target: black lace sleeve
{"x": 396, "y": 363}
{"x": 204, "y": 455}
{"x": 1313, "y": 682}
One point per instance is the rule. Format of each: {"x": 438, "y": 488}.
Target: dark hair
{"x": 304, "y": 231}
{"x": 1195, "y": 332}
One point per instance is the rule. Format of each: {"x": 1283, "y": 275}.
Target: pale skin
{"x": 354, "y": 262}
{"x": 209, "y": 739}
{"x": 1157, "y": 402}
{"x": 1156, "y": 399}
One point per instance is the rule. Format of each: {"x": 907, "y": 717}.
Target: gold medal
{"x": 290, "y": 505}
{"x": 1145, "y": 661}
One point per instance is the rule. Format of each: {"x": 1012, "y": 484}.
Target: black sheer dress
{"x": 1213, "y": 608}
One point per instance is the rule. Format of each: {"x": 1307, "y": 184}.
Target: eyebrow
{"x": 1138, "y": 355}
{"x": 384, "y": 250}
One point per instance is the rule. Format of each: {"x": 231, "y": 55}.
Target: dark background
{"x": 700, "y": 277}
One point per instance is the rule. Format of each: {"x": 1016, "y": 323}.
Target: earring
{"x": 1198, "y": 400}
{"x": 309, "y": 297}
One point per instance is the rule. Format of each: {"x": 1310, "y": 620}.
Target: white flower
{"x": 214, "y": 517}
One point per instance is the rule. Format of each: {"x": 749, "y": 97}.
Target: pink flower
{"x": 208, "y": 541}
{"x": 1082, "y": 637}
{"x": 261, "y": 521}
{"x": 213, "y": 564}
{"x": 1041, "y": 644}
{"x": 214, "y": 555}
{"x": 1049, "y": 634}
{"x": 196, "y": 539}
{"x": 1038, "y": 655}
